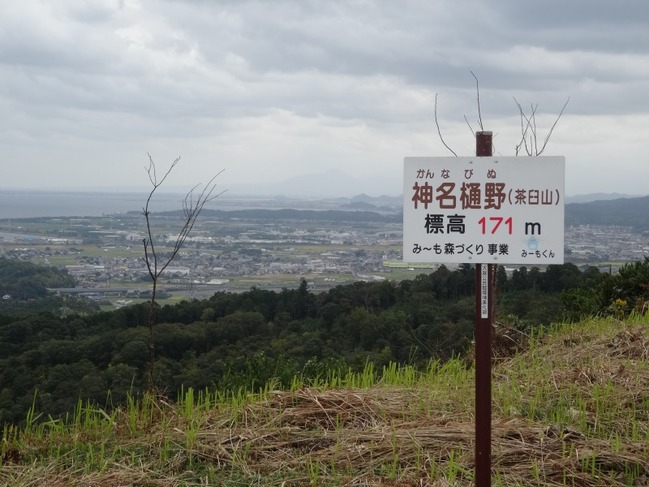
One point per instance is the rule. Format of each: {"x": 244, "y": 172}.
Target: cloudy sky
{"x": 271, "y": 90}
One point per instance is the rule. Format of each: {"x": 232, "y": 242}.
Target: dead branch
{"x": 439, "y": 131}
{"x": 529, "y": 129}
{"x": 547, "y": 137}
{"x": 525, "y": 128}
{"x": 477, "y": 89}
{"x": 469, "y": 125}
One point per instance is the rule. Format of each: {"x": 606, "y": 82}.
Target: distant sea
{"x": 36, "y": 203}
{"x": 32, "y": 203}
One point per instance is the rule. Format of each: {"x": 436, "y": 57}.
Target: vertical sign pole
{"x": 484, "y": 318}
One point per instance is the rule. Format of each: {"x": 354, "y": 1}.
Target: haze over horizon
{"x": 315, "y": 186}
{"x": 276, "y": 92}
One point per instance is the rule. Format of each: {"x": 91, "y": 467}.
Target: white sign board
{"x": 484, "y": 210}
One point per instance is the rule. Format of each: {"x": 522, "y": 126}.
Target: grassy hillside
{"x": 571, "y": 407}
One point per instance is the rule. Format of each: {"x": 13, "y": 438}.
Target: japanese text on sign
{"x": 484, "y": 210}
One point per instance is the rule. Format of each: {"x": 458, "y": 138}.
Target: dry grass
{"x": 571, "y": 407}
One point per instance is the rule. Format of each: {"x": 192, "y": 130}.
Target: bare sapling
{"x": 157, "y": 256}
{"x": 529, "y": 141}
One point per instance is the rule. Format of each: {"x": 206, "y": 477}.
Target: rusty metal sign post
{"x": 484, "y": 312}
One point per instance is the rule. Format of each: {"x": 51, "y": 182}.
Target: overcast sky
{"x": 270, "y": 90}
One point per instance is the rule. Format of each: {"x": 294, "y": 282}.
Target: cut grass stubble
{"x": 571, "y": 409}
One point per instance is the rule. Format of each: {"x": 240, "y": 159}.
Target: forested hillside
{"x": 632, "y": 211}
{"x": 24, "y": 280}
{"x": 24, "y": 285}
{"x": 259, "y": 337}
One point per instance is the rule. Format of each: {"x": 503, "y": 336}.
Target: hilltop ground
{"x": 570, "y": 407}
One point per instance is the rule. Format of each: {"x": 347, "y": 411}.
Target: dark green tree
{"x": 630, "y": 285}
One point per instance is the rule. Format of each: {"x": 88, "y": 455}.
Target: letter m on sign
{"x": 532, "y": 228}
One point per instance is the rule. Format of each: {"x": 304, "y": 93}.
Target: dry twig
{"x": 439, "y": 131}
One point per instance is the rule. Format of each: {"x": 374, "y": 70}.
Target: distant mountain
{"x": 587, "y": 198}
{"x": 629, "y": 211}
{"x": 382, "y": 200}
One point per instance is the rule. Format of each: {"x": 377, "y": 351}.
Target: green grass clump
{"x": 570, "y": 407}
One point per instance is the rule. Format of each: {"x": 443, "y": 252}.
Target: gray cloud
{"x": 344, "y": 85}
